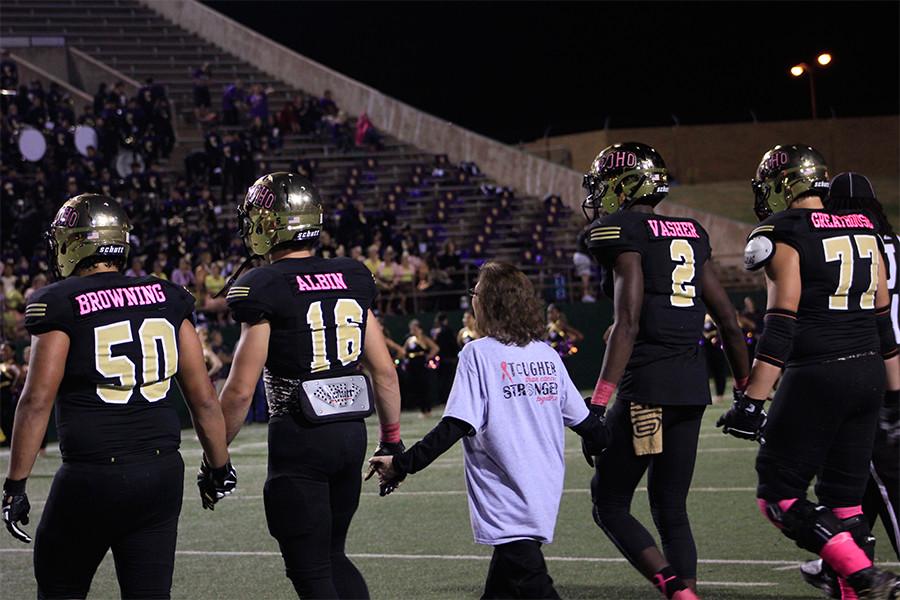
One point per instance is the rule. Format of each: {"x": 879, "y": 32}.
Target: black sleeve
{"x": 252, "y": 298}
{"x": 437, "y": 441}
{"x": 184, "y": 302}
{"x": 48, "y": 311}
{"x": 611, "y": 236}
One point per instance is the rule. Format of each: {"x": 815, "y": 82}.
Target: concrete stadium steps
{"x": 137, "y": 42}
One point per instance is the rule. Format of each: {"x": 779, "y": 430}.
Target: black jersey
{"x": 317, "y": 310}
{"x": 117, "y": 395}
{"x": 664, "y": 367}
{"x": 839, "y": 253}
{"x": 892, "y": 261}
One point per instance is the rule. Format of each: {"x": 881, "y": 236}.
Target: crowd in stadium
{"x": 185, "y": 225}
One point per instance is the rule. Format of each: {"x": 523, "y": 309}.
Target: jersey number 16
{"x": 348, "y": 320}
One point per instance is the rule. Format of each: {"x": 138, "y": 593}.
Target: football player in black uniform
{"x": 852, "y": 191}
{"x": 111, "y": 346}
{"x": 827, "y": 327}
{"x": 304, "y": 320}
{"x": 657, "y": 271}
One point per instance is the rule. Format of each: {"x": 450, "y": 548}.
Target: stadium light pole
{"x": 823, "y": 60}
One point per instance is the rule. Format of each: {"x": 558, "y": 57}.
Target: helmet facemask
{"x": 594, "y": 204}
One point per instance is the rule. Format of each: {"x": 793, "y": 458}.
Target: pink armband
{"x": 390, "y": 433}
{"x": 602, "y": 392}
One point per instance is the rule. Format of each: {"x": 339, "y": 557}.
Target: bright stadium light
{"x": 823, "y": 60}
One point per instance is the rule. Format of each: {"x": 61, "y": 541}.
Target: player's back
{"x": 840, "y": 253}
{"x": 892, "y": 256}
{"x": 317, "y": 309}
{"x": 116, "y": 398}
{"x": 674, "y": 253}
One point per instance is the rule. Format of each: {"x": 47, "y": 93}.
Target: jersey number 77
{"x": 841, "y": 249}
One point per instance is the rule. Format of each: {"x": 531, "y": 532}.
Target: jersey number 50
{"x": 155, "y": 385}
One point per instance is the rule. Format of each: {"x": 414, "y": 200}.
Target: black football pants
{"x": 132, "y": 508}
{"x": 311, "y": 494}
{"x": 619, "y": 471}
{"x": 518, "y": 570}
{"x": 822, "y": 424}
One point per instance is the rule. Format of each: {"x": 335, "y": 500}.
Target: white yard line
{"x": 427, "y": 493}
{"x": 568, "y": 491}
{"x": 478, "y": 557}
{"x": 53, "y": 449}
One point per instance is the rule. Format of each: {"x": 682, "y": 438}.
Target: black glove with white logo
{"x": 390, "y": 449}
{"x": 15, "y": 509}
{"x": 746, "y": 418}
{"x": 215, "y": 484}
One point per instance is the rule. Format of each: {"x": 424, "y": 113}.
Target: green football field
{"x": 417, "y": 543}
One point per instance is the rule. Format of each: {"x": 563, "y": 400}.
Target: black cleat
{"x": 817, "y": 574}
{"x": 874, "y": 584}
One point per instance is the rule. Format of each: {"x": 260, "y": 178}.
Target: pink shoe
{"x": 685, "y": 594}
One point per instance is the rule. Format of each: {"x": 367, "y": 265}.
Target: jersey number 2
{"x": 840, "y": 248}
{"x": 155, "y": 386}
{"x": 683, "y": 293}
{"x": 348, "y": 318}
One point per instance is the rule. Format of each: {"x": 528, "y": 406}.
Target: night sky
{"x": 514, "y": 71}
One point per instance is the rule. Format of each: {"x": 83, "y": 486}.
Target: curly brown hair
{"x": 509, "y": 310}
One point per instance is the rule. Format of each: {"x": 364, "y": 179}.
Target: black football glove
{"x": 746, "y": 418}
{"x": 889, "y": 418}
{"x": 390, "y": 449}
{"x": 215, "y": 484}
{"x": 586, "y": 447}
{"x": 15, "y": 509}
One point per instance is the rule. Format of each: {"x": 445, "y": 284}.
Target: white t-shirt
{"x": 518, "y": 400}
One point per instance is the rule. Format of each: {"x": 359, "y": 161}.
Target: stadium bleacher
{"x": 139, "y": 44}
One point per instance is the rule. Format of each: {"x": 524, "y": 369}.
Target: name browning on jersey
{"x": 139, "y": 295}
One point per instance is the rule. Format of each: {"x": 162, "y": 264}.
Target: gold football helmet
{"x": 278, "y": 208}
{"x": 86, "y": 226}
{"x": 633, "y": 170}
{"x": 785, "y": 173}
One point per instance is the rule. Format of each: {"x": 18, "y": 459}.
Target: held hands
{"x": 383, "y": 464}
{"x": 215, "y": 484}
{"x": 15, "y": 509}
{"x": 746, "y": 419}
{"x": 587, "y": 448}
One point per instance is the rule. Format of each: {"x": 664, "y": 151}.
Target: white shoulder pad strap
{"x": 758, "y": 253}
